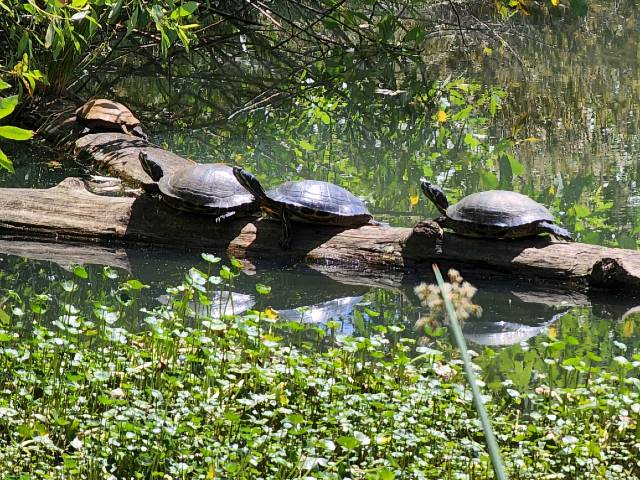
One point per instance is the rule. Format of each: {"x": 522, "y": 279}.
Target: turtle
{"x": 494, "y": 214}
{"x": 310, "y": 201}
{"x": 211, "y": 189}
{"x": 102, "y": 114}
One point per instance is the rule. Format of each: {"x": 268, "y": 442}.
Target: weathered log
{"x": 69, "y": 211}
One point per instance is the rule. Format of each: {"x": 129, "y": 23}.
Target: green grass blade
{"x": 492, "y": 445}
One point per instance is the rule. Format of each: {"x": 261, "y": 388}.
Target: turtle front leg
{"x": 556, "y": 230}
{"x": 285, "y": 243}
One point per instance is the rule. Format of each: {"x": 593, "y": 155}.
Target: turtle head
{"x": 251, "y": 183}
{"x": 435, "y": 194}
{"x": 150, "y": 166}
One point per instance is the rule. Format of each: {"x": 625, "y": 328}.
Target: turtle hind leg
{"x": 556, "y": 231}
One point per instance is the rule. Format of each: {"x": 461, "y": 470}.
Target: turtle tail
{"x": 556, "y": 231}
{"x": 251, "y": 183}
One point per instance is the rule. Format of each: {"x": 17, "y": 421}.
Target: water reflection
{"x": 501, "y": 333}
{"x": 514, "y": 311}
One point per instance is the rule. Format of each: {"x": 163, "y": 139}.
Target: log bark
{"x": 69, "y": 211}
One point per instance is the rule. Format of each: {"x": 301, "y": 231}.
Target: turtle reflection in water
{"x": 211, "y": 189}
{"x": 501, "y": 334}
{"x": 493, "y": 214}
{"x": 222, "y": 303}
{"x": 322, "y": 312}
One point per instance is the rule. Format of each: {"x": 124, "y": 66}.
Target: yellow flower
{"x": 413, "y": 200}
{"x": 211, "y": 473}
{"x": 555, "y": 3}
{"x": 628, "y": 327}
{"x": 270, "y": 313}
{"x": 441, "y": 116}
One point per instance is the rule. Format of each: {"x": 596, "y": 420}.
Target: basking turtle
{"x": 211, "y": 189}
{"x": 494, "y": 214}
{"x": 310, "y": 201}
{"x": 102, "y": 114}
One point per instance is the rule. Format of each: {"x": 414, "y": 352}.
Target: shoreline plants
{"x": 98, "y": 388}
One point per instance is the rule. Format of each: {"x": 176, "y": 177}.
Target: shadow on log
{"x": 69, "y": 211}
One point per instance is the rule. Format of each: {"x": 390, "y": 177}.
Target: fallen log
{"x": 69, "y": 211}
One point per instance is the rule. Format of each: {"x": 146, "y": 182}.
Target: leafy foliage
{"x": 7, "y": 105}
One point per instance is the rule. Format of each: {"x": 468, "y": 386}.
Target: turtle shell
{"x": 499, "y": 208}
{"x": 317, "y": 201}
{"x": 103, "y": 112}
{"x": 209, "y": 188}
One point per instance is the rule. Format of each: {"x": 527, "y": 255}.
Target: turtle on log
{"x": 494, "y": 214}
{"x": 107, "y": 115}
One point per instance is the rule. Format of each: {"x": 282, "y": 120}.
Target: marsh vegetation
{"x": 206, "y": 372}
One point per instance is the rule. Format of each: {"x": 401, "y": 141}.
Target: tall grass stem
{"x": 492, "y": 444}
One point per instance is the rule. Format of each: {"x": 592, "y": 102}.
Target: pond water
{"x": 571, "y": 108}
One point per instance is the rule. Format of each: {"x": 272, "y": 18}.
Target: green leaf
{"x": 210, "y": 258}
{"x": 8, "y": 105}
{"x": 80, "y": 271}
{"x": 516, "y": 167}
{"x": 183, "y": 37}
{"x": 263, "y": 289}
{"x": 4, "y": 85}
{"x": 489, "y": 180}
{"x": 414, "y": 35}
{"x": 471, "y": 141}
{"x": 581, "y": 211}
{"x": 324, "y": 117}
{"x": 371, "y": 313}
{"x": 23, "y": 44}
{"x": 30, "y": 8}
{"x": 306, "y": 146}
{"x": 184, "y": 10}
{"x": 5, "y": 162}
{"x": 134, "y": 284}
{"x": 15, "y": 133}
{"x": 579, "y": 7}
{"x": 157, "y": 14}
{"x": 132, "y": 22}
{"x": 237, "y": 263}
{"x": 386, "y": 474}
{"x": 4, "y": 317}
{"x": 115, "y": 12}
{"x": 49, "y": 36}
{"x": 348, "y": 443}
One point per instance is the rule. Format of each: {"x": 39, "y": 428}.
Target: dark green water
{"x": 572, "y": 112}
